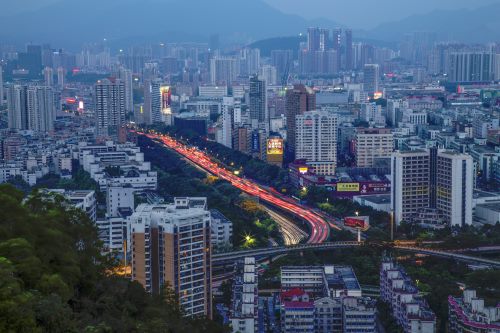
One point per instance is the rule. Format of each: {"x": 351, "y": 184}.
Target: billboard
{"x": 166, "y": 99}
{"x": 275, "y": 146}
{"x": 347, "y": 187}
{"x": 360, "y": 222}
{"x": 303, "y": 170}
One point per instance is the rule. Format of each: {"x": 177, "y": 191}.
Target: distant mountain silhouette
{"x": 465, "y": 25}
{"x": 125, "y": 22}
{"x": 76, "y": 21}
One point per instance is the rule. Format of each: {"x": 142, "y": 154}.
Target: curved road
{"x": 292, "y": 234}
{"x": 320, "y": 229}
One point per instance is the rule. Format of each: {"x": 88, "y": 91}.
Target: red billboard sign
{"x": 354, "y": 222}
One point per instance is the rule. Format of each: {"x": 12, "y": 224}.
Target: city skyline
{"x": 242, "y": 166}
{"x": 383, "y": 22}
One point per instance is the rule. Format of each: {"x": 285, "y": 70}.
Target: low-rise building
{"x": 469, "y": 314}
{"x": 244, "y": 310}
{"x": 324, "y": 299}
{"x": 82, "y": 199}
{"x": 409, "y": 309}
{"x": 222, "y": 230}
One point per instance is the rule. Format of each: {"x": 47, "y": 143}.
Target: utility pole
{"x": 392, "y": 225}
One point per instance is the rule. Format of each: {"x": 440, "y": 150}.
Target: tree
{"x": 54, "y": 277}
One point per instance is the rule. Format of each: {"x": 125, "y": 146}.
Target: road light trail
{"x": 292, "y": 234}
{"x": 320, "y": 229}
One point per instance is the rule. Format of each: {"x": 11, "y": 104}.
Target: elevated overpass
{"x": 231, "y": 257}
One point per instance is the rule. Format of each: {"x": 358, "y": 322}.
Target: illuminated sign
{"x": 355, "y": 222}
{"x": 377, "y": 95}
{"x": 308, "y": 122}
{"x": 303, "y": 170}
{"x": 348, "y": 187}
{"x": 275, "y": 146}
{"x": 166, "y": 99}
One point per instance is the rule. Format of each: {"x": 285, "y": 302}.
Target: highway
{"x": 319, "y": 228}
{"x": 291, "y": 233}
{"x": 227, "y": 258}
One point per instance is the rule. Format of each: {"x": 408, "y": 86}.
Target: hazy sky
{"x": 366, "y": 14}
{"x": 359, "y": 14}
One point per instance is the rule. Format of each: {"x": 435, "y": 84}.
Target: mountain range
{"x": 73, "y": 22}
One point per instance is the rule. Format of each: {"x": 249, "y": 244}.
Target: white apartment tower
{"x": 269, "y": 74}
{"x": 61, "y": 77}
{"x": 152, "y": 101}
{"x": 17, "y": 104}
{"x": 437, "y": 179}
{"x": 31, "y": 108}
{"x": 109, "y": 106}
{"x": 316, "y": 140}
{"x": 454, "y": 187}
{"x": 227, "y": 121}
{"x": 373, "y": 144}
{"x": 41, "y": 109}
{"x": 410, "y": 184}
{"x": 48, "y": 74}
{"x": 126, "y": 76}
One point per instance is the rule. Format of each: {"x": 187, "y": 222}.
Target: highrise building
{"x": 496, "y": 69}
{"x": 109, "y": 106}
{"x": 337, "y": 44}
{"x": 223, "y": 70}
{"x": 61, "y": 73}
{"x": 259, "y": 116}
{"x": 316, "y": 140}
{"x": 298, "y": 100}
{"x": 435, "y": 179}
{"x": 166, "y": 102}
{"x": 454, "y": 187}
{"x": 241, "y": 139}
{"x": 245, "y": 308}
{"x": 31, "y": 108}
{"x": 373, "y": 144}
{"x": 371, "y": 76}
{"x": 313, "y": 39}
{"x": 349, "y": 58}
{"x": 31, "y": 60}
{"x": 17, "y": 104}
{"x": 470, "y": 67}
{"x": 268, "y": 73}
{"x": 410, "y": 184}
{"x": 227, "y": 121}
{"x": 48, "y": 74}
{"x": 152, "y": 101}
{"x": 125, "y": 75}
{"x": 324, "y": 39}
{"x": 170, "y": 246}
{"x": 283, "y": 61}
{"x": 41, "y": 110}
{"x": 2, "y": 93}
{"x": 249, "y": 61}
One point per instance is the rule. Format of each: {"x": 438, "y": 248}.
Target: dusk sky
{"x": 360, "y": 14}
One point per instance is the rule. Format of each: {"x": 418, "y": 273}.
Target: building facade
{"x": 316, "y": 140}
{"x": 170, "y": 245}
